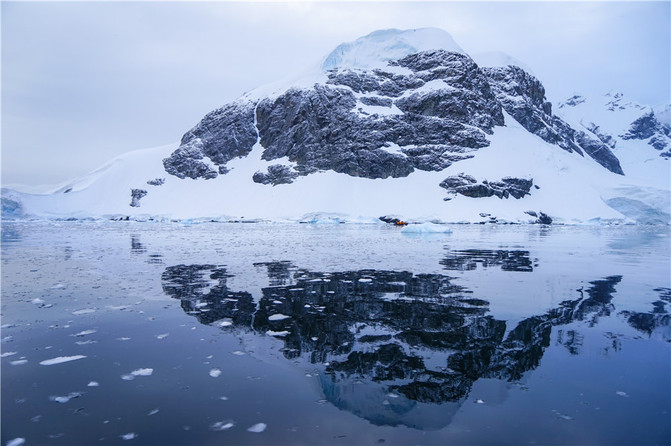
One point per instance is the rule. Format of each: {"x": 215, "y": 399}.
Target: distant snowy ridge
{"x": 400, "y": 124}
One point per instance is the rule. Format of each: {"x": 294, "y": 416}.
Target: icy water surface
{"x": 170, "y": 334}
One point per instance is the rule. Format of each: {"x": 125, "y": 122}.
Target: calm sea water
{"x": 172, "y": 334}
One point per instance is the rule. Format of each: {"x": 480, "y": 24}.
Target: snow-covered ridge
{"x": 377, "y": 48}
{"x": 429, "y": 137}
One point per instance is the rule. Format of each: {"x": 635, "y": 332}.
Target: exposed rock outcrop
{"x": 136, "y": 195}
{"x": 468, "y": 186}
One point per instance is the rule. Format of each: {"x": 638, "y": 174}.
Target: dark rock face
{"x": 441, "y": 106}
{"x": 523, "y": 97}
{"x": 468, "y": 186}
{"x": 320, "y": 128}
{"x": 136, "y": 195}
{"x": 221, "y": 136}
{"x": 648, "y": 126}
{"x": 644, "y": 127}
{"x": 277, "y": 174}
{"x": 544, "y": 219}
{"x": 156, "y": 182}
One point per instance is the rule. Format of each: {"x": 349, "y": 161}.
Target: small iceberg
{"x": 426, "y": 228}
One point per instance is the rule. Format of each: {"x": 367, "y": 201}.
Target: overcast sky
{"x": 83, "y": 82}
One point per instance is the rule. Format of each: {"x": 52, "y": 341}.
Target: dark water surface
{"x": 170, "y": 334}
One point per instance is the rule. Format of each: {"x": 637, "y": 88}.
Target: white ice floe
{"x": 258, "y": 428}
{"x": 225, "y": 323}
{"x": 142, "y": 372}
{"x": 19, "y": 362}
{"x": 278, "y": 317}
{"x": 162, "y": 336}
{"x": 622, "y": 394}
{"x": 128, "y": 436}
{"x": 278, "y": 334}
{"x": 5, "y": 354}
{"x": 222, "y": 425}
{"x": 214, "y": 373}
{"x": 238, "y": 353}
{"x": 426, "y": 228}
{"x": 84, "y": 311}
{"x": 66, "y": 398}
{"x": 85, "y": 332}
{"x": 86, "y": 342}
{"x": 152, "y": 412}
{"x": 123, "y": 339}
{"x": 61, "y": 359}
{"x": 93, "y": 384}
{"x": 16, "y": 442}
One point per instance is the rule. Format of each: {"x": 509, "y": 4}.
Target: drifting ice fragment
{"x": 278, "y": 317}
{"x": 19, "y": 362}
{"x": 622, "y": 394}
{"x": 222, "y": 425}
{"x": 162, "y": 336}
{"x": 61, "y": 359}
{"x": 84, "y": 311}
{"x": 85, "y": 332}
{"x": 426, "y": 228}
{"x": 66, "y": 398}
{"x": 128, "y": 436}
{"x": 238, "y": 353}
{"x": 152, "y": 412}
{"x": 93, "y": 384}
{"x": 257, "y": 428}
{"x": 4, "y": 355}
{"x": 214, "y": 373}
{"x": 479, "y": 401}
{"x": 16, "y": 442}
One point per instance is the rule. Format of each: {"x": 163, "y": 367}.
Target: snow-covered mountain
{"x": 401, "y": 124}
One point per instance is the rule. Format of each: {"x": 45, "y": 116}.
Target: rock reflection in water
{"x": 395, "y": 347}
{"x": 467, "y": 260}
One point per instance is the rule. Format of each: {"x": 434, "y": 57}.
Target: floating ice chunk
{"x": 66, "y": 398}
{"x": 117, "y": 307}
{"x": 478, "y": 401}
{"x": 238, "y": 353}
{"x": 3, "y": 326}
{"x": 152, "y": 412}
{"x": 278, "y": 334}
{"x": 225, "y": 323}
{"x": 622, "y": 394}
{"x": 214, "y": 373}
{"x": 7, "y": 339}
{"x": 19, "y": 362}
{"x": 278, "y": 317}
{"x": 86, "y": 342}
{"x": 85, "y": 332}
{"x": 223, "y": 398}
{"x": 142, "y": 372}
{"x": 61, "y": 359}
{"x": 123, "y": 339}
{"x": 563, "y": 416}
{"x": 128, "y": 436}
{"x": 162, "y": 336}
{"x": 58, "y": 286}
{"x": 257, "y": 428}
{"x": 93, "y": 384}
{"x": 37, "y": 301}
{"x": 16, "y": 442}
{"x": 365, "y": 280}
{"x": 5, "y": 354}
{"x": 426, "y": 228}
{"x": 222, "y": 425}
{"x": 84, "y": 311}
{"x": 128, "y": 377}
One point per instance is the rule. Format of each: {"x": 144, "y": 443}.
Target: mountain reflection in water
{"x": 393, "y": 347}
